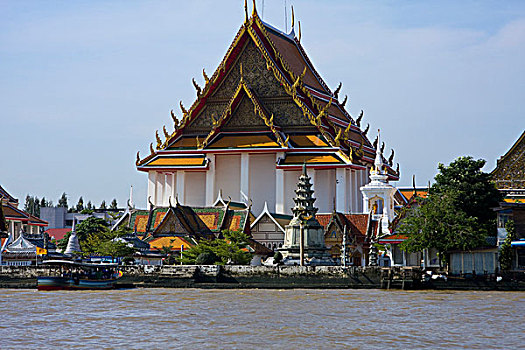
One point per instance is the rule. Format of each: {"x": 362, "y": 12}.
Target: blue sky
{"x": 85, "y": 84}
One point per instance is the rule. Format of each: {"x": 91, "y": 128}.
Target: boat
{"x": 72, "y": 275}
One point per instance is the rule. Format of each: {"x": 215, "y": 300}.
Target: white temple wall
{"x": 228, "y": 176}
{"x": 159, "y": 189}
{"x": 195, "y": 188}
{"x": 262, "y": 181}
{"x": 152, "y": 179}
{"x": 291, "y": 177}
{"x": 324, "y": 190}
{"x": 349, "y": 190}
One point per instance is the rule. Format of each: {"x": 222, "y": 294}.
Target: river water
{"x": 273, "y": 319}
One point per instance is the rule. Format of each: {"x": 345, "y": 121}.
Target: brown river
{"x": 261, "y": 319}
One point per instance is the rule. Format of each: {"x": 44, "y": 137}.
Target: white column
{"x": 173, "y": 187}
{"x": 279, "y": 186}
{"x": 340, "y": 190}
{"x": 13, "y": 228}
{"x": 210, "y": 180}
{"x": 161, "y": 181}
{"x": 168, "y": 189}
{"x": 180, "y": 186}
{"x": 245, "y": 178}
{"x": 152, "y": 187}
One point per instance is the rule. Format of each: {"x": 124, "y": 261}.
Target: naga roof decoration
{"x": 277, "y": 71}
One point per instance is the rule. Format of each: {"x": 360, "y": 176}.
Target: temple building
{"x": 509, "y": 176}
{"x": 259, "y": 117}
{"x": 17, "y": 220}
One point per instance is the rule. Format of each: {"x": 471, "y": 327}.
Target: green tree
{"x": 80, "y": 205}
{"x": 103, "y": 205}
{"x": 43, "y": 202}
{"x": 113, "y": 204}
{"x": 32, "y": 205}
{"x": 457, "y": 213}
{"x": 62, "y": 201}
{"x": 230, "y": 250}
{"x": 505, "y": 253}
{"x": 475, "y": 192}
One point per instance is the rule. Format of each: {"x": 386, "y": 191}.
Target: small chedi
{"x": 304, "y": 226}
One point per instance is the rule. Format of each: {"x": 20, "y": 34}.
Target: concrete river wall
{"x": 278, "y": 277}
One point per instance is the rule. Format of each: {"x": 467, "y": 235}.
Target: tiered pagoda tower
{"x": 263, "y": 113}
{"x": 304, "y": 214}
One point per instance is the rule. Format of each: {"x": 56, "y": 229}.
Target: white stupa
{"x": 73, "y": 246}
{"x": 378, "y": 195}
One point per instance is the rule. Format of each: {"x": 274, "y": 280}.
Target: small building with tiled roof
{"x": 17, "y": 220}
{"x": 268, "y": 228}
{"x": 259, "y": 117}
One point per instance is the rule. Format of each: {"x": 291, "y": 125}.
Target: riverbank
{"x": 278, "y": 277}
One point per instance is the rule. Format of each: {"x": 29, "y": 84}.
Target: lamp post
{"x": 301, "y": 241}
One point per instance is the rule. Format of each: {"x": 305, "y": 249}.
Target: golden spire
{"x": 336, "y": 92}
{"x": 197, "y": 87}
{"x": 184, "y": 111}
{"x": 175, "y": 120}
{"x": 358, "y": 120}
{"x": 206, "y": 79}
{"x": 344, "y": 101}
{"x": 159, "y": 142}
{"x": 299, "y": 35}
{"x": 254, "y": 11}
{"x": 366, "y": 130}
{"x": 246, "y": 11}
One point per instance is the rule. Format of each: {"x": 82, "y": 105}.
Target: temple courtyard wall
{"x": 278, "y": 277}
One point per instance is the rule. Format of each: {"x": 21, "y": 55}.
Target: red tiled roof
{"x": 57, "y": 233}
{"x": 323, "y": 219}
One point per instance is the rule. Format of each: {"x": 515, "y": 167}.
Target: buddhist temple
{"x": 257, "y": 119}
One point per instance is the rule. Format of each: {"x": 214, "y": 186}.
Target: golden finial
{"x": 338, "y": 136}
{"x": 347, "y": 130}
{"x": 246, "y": 11}
{"x": 159, "y": 142}
{"x": 184, "y": 111}
{"x": 166, "y": 135}
{"x": 397, "y": 169}
{"x": 358, "y": 120}
{"x": 351, "y": 153}
{"x": 175, "y": 120}
{"x": 344, "y": 101}
{"x": 382, "y": 147}
{"x": 336, "y": 92}
{"x": 138, "y": 158}
{"x": 206, "y": 79}
{"x": 271, "y": 119}
{"x": 299, "y": 35}
{"x": 391, "y": 158}
{"x": 299, "y": 79}
{"x": 293, "y": 18}
{"x": 151, "y": 148}
{"x": 366, "y": 130}
{"x": 197, "y": 87}
{"x": 214, "y": 120}
{"x": 199, "y": 143}
{"x": 254, "y": 10}
{"x": 323, "y": 111}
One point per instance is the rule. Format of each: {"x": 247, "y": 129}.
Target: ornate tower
{"x": 304, "y": 212}
{"x": 378, "y": 195}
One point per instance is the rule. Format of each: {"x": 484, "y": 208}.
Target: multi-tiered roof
{"x": 265, "y": 96}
